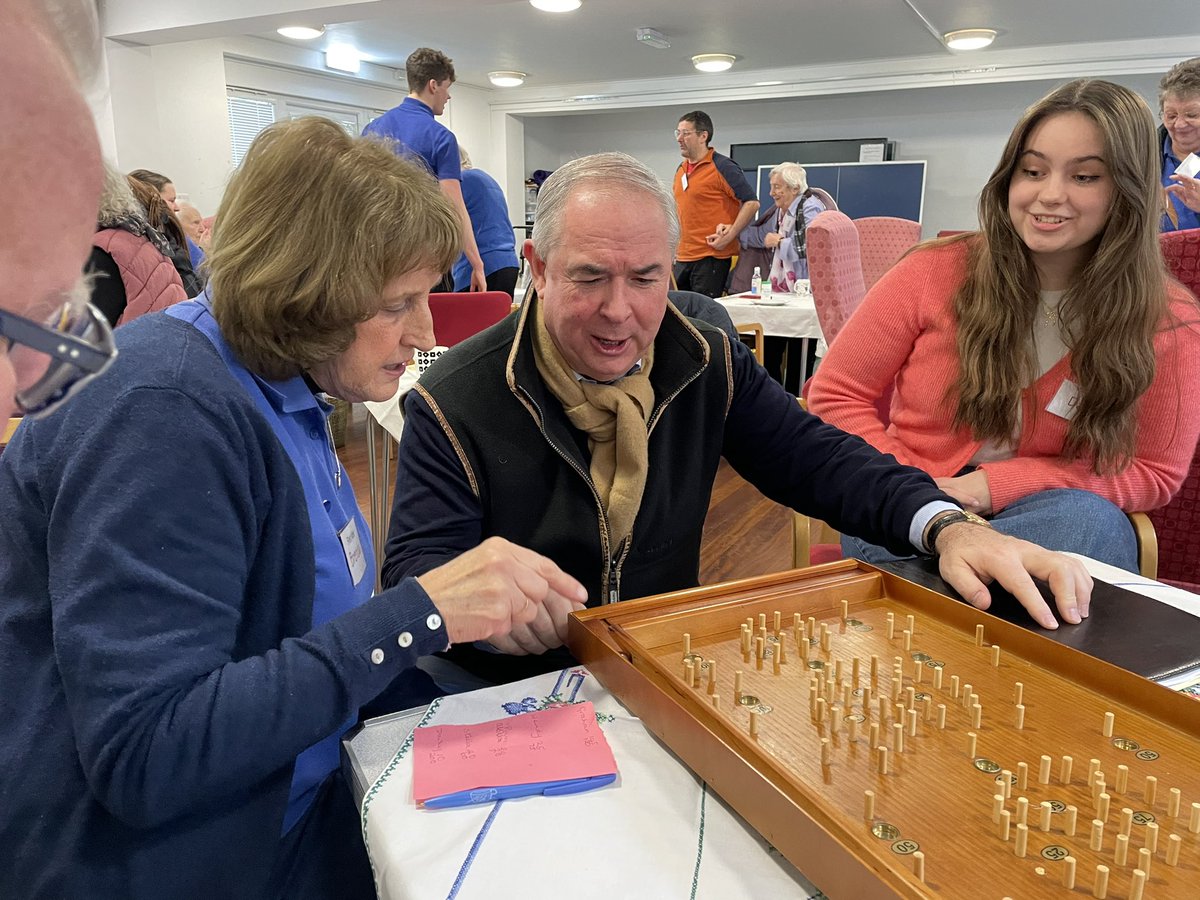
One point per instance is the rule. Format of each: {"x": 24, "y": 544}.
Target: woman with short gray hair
{"x": 796, "y": 207}
{"x": 1178, "y": 136}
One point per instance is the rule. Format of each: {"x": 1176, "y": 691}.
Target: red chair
{"x": 1181, "y": 250}
{"x": 834, "y": 270}
{"x": 1177, "y": 530}
{"x": 458, "y": 316}
{"x": 882, "y": 241}
{"x": 1177, "y": 524}
{"x": 455, "y": 318}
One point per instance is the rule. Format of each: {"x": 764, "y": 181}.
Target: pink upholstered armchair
{"x": 835, "y": 270}
{"x": 882, "y": 241}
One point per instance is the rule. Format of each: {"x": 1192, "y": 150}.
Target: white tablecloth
{"x": 796, "y": 318}
{"x": 658, "y": 832}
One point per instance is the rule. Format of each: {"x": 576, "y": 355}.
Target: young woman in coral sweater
{"x": 1044, "y": 369}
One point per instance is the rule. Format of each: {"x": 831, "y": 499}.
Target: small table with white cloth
{"x": 658, "y": 832}
{"x": 781, "y": 315}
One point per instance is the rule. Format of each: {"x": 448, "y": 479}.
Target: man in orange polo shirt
{"x": 710, "y": 189}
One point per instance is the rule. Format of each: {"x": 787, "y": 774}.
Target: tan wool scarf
{"x": 614, "y": 418}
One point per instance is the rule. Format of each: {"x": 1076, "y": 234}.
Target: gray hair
{"x": 793, "y": 175}
{"x": 617, "y": 170}
{"x": 116, "y": 200}
{"x": 1182, "y": 81}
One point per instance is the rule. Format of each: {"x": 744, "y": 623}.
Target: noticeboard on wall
{"x": 890, "y": 188}
{"x": 751, "y": 156}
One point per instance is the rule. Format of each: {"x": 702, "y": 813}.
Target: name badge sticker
{"x": 1065, "y": 402}
{"x": 352, "y": 548}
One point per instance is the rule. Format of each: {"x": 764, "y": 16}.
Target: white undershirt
{"x": 1048, "y": 349}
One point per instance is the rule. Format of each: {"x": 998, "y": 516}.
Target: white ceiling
{"x": 596, "y": 44}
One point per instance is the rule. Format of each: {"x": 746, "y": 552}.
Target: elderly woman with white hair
{"x": 795, "y": 208}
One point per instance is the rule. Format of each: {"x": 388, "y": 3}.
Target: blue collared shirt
{"x": 1188, "y": 218}
{"x": 300, "y": 422}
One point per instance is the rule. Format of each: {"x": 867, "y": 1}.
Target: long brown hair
{"x": 1109, "y": 314}
{"x": 158, "y": 213}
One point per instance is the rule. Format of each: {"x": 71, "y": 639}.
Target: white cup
{"x": 802, "y": 287}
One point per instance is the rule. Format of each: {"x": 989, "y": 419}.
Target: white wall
{"x": 166, "y": 108}
{"x": 169, "y": 115}
{"x": 958, "y": 130}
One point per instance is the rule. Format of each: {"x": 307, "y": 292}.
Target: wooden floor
{"x": 745, "y": 534}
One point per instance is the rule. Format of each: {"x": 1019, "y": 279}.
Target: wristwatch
{"x": 943, "y": 520}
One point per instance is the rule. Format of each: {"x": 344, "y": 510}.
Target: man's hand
{"x": 547, "y": 630}
{"x": 478, "y": 279}
{"x": 492, "y": 589}
{"x": 721, "y": 237}
{"x": 772, "y": 239}
{"x": 970, "y": 557}
{"x": 971, "y": 491}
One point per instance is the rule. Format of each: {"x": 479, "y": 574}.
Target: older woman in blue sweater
{"x": 188, "y": 624}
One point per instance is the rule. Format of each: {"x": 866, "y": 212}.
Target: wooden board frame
{"x": 634, "y": 648}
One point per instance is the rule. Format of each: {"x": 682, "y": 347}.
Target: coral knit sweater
{"x": 904, "y": 335}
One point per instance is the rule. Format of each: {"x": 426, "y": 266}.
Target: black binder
{"x": 1127, "y": 629}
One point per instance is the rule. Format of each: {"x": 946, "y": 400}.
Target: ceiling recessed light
{"x": 344, "y": 58}
{"x": 302, "y": 32}
{"x": 506, "y": 79}
{"x": 969, "y": 38}
{"x": 767, "y": 83}
{"x": 713, "y": 62}
{"x": 556, "y": 5}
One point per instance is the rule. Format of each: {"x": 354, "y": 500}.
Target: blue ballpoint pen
{"x": 511, "y": 791}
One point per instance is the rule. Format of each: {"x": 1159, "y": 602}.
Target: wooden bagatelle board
{"x": 1134, "y": 746}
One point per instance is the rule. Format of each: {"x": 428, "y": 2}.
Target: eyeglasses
{"x": 54, "y": 360}
{"x": 680, "y": 134}
{"x": 1189, "y": 118}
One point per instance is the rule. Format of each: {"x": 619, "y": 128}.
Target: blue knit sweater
{"x": 159, "y": 673}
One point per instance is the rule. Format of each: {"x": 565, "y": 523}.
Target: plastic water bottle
{"x": 756, "y": 281}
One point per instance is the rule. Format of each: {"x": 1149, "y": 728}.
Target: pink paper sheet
{"x": 554, "y": 744}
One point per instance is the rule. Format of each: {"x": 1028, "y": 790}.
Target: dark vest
{"x": 530, "y": 466}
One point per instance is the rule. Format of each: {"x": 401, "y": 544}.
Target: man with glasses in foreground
{"x": 51, "y": 341}
{"x": 710, "y": 189}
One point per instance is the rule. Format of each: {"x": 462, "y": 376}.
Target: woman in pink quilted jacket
{"x": 133, "y": 274}
{"x": 1044, "y": 369}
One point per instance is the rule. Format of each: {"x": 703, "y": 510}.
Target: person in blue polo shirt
{"x": 412, "y": 124}
{"x": 493, "y": 230}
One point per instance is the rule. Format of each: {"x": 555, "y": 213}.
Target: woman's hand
{"x": 971, "y": 491}
{"x": 497, "y": 587}
{"x": 1187, "y": 190}
{"x": 772, "y": 240}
